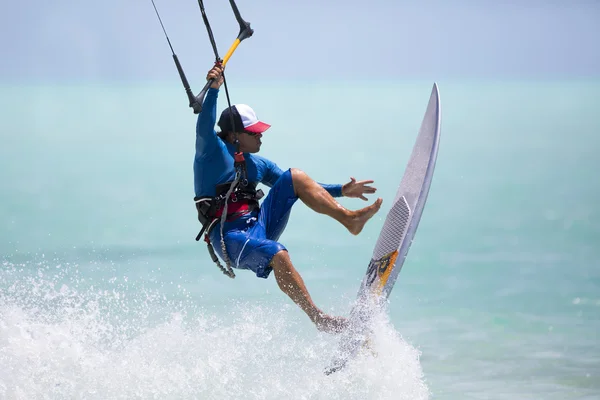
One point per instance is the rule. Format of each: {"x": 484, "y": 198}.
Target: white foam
{"x": 59, "y": 342}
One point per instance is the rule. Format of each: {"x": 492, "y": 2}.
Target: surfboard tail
{"x": 357, "y": 337}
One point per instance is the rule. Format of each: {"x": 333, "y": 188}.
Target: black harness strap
{"x": 208, "y": 207}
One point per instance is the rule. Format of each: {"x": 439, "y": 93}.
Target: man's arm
{"x": 206, "y": 138}
{"x": 273, "y": 172}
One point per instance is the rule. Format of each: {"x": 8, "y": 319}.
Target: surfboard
{"x": 396, "y": 236}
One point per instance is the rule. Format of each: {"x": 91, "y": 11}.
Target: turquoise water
{"x": 105, "y": 294}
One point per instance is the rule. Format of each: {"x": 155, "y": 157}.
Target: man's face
{"x": 250, "y": 142}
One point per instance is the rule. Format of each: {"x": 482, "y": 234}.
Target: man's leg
{"x": 317, "y": 198}
{"x": 291, "y": 283}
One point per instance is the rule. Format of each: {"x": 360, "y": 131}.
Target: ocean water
{"x": 105, "y": 294}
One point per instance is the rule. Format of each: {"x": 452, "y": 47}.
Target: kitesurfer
{"x": 251, "y": 232}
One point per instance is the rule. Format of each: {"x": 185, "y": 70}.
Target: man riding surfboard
{"x": 251, "y": 231}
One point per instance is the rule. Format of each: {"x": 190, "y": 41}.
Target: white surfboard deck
{"x": 396, "y": 235}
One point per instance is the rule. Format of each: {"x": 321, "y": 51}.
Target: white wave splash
{"x": 60, "y": 342}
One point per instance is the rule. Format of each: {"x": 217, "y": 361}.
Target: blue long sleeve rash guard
{"x": 213, "y": 163}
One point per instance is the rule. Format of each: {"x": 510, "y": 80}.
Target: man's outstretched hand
{"x": 358, "y": 189}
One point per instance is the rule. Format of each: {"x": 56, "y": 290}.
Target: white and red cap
{"x": 244, "y": 119}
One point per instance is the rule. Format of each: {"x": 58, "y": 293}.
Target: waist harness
{"x": 236, "y": 198}
{"x": 243, "y": 200}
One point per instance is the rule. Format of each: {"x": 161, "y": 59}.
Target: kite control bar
{"x": 245, "y": 32}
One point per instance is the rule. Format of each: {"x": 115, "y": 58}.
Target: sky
{"x": 121, "y": 40}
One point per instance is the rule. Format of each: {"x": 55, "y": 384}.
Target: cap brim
{"x": 258, "y": 127}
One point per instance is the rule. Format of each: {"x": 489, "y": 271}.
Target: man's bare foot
{"x": 360, "y": 217}
{"x": 329, "y": 324}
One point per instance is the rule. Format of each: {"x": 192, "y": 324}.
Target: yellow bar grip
{"x": 231, "y": 50}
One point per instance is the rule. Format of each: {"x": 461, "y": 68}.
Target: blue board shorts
{"x": 252, "y": 242}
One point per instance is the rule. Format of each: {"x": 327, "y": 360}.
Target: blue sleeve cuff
{"x": 334, "y": 190}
